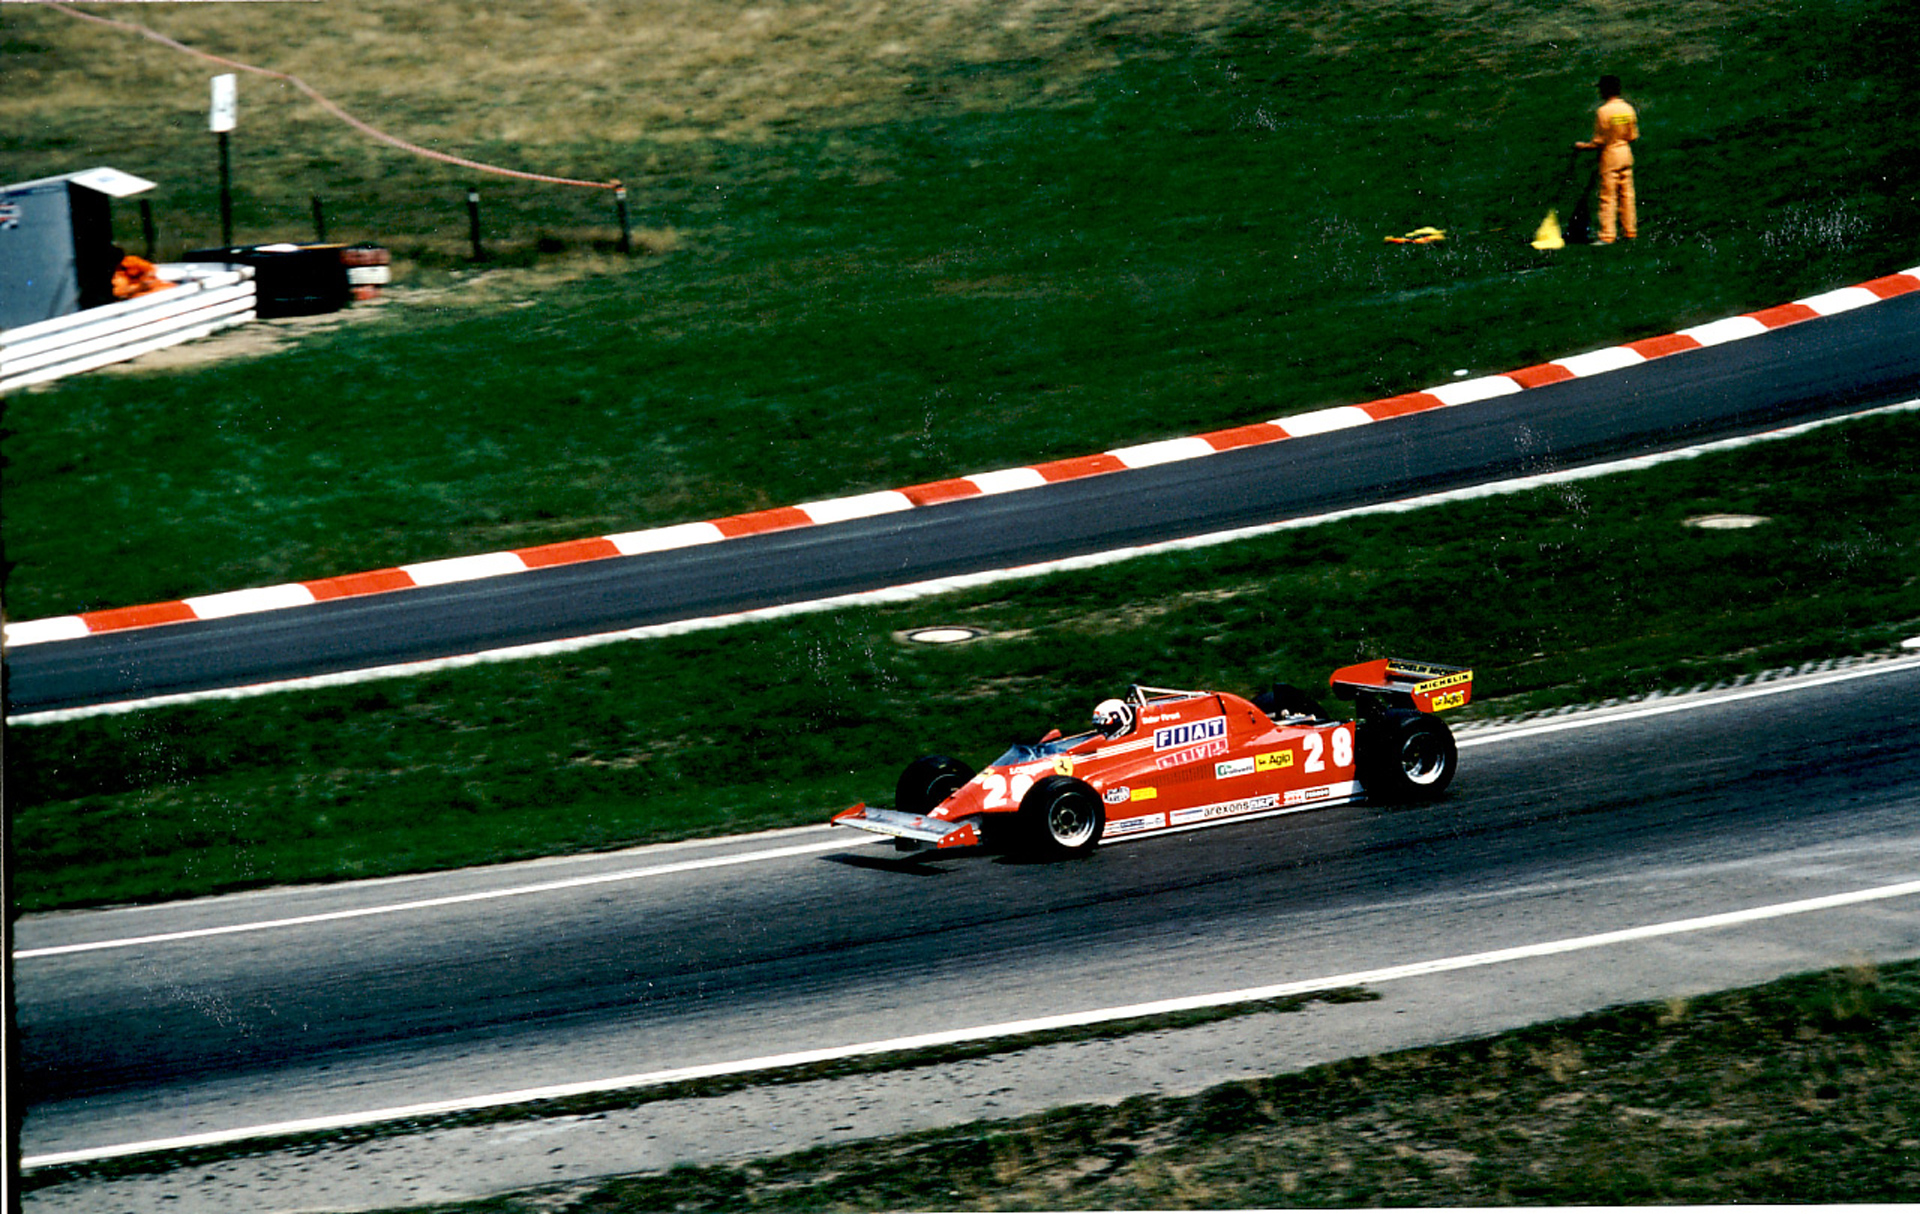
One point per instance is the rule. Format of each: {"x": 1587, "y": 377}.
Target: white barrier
{"x": 204, "y": 299}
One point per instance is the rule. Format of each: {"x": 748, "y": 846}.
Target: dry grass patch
{"x": 471, "y": 72}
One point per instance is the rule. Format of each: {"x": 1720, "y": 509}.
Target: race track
{"x": 1771, "y": 794}
{"x": 1819, "y": 368}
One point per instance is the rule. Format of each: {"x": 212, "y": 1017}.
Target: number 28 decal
{"x": 1315, "y": 745}
{"x": 1000, "y": 793}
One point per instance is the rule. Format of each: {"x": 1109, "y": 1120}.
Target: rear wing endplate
{"x": 1425, "y": 686}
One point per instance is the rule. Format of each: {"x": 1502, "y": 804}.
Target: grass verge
{"x": 1805, "y": 1090}
{"x": 896, "y": 247}
{"x": 1574, "y": 593}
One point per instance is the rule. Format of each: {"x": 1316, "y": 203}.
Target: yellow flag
{"x": 1548, "y": 237}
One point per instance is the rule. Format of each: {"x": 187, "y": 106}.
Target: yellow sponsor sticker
{"x": 1450, "y": 699}
{"x": 1452, "y": 680}
{"x": 1145, "y": 794}
{"x": 1063, "y": 766}
{"x": 1277, "y": 761}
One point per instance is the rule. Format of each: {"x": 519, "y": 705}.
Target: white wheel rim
{"x": 1068, "y": 822}
{"x": 1423, "y": 759}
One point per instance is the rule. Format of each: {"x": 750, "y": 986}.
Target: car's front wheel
{"x": 927, "y": 781}
{"x": 1406, "y": 756}
{"x": 1062, "y": 816}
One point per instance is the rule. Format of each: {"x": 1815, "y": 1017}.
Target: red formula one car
{"x": 1161, "y": 761}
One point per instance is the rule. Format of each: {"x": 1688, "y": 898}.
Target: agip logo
{"x": 1170, "y": 736}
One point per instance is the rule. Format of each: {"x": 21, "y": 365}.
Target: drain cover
{"x": 943, "y": 635}
{"x": 1726, "y": 522}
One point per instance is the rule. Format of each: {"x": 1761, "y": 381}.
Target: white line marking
{"x": 1006, "y": 480}
{"x": 1166, "y": 451}
{"x": 664, "y": 539}
{"x": 865, "y": 505}
{"x": 1160, "y": 1007}
{"x": 1719, "y": 332}
{"x": 245, "y": 602}
{"x": 1599, "y": 717}
{"x": 1843, "y": 300}
{"x": 464, "y": 568}
{"x": 41, "y": 632}
{"x": 1599, "y": 362}
{"x": 913, "y": 591}
{"x": 1472, "y": 391}
{"x": 518, "y": 891}
{"x": 1323, "y": 421}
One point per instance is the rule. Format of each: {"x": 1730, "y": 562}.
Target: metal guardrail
{"x": 205, "y": 299}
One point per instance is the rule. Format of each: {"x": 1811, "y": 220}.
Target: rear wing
{"x": 1399, "y": 683}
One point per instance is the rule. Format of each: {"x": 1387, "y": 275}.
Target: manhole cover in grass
{"x": 1726, "y": 522}
{"x": 945, "y": 634}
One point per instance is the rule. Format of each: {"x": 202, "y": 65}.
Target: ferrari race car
{"x": 1160, "y": 761}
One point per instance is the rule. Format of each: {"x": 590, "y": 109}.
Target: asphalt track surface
{"x": 1730, "y": 804}
{"x": 1820, "y": 368}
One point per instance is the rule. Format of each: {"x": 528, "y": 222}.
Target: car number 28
{"x": 1001, "y": 792}
{"x": 1316, "y": 747}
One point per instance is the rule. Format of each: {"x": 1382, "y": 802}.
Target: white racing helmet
{"x": 1113, "y": 717}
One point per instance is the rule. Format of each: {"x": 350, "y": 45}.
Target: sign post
{"x": 473, "y": 222}
{"x": 220, "y": 121}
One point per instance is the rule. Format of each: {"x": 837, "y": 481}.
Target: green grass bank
{"x": 1569, "y": 594}
{"x": 890, "y": 248}
{"x": 1801, "y": 1091}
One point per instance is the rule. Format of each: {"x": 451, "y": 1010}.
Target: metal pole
{"x": 226, "y": 193}
{"x": 473, "y": 222}
{"x": 146, "y": 225}
{"x": 319, "y": 221}
{"x": 620, "y": 206}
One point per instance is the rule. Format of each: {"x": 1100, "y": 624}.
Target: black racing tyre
{"x": 1406, "y": 756}
{"x": 1062, "y": 816}
{"x": 927, "y": 781}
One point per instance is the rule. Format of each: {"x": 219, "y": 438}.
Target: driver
{"x": 1113, "y": 718}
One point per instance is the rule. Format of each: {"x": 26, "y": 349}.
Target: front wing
{"x": 910, "y": 830}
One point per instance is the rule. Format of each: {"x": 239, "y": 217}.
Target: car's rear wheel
{"x": 1406, "y": 756}
{"x": 1062, "y": 816}
{"x": 927, "y": 781}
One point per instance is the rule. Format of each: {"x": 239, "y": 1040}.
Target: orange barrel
{"x": 367, "y": 269}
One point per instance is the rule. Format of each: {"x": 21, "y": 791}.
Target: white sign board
{"x": 226, "y": 99}
{"x": 111, "y": 182}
